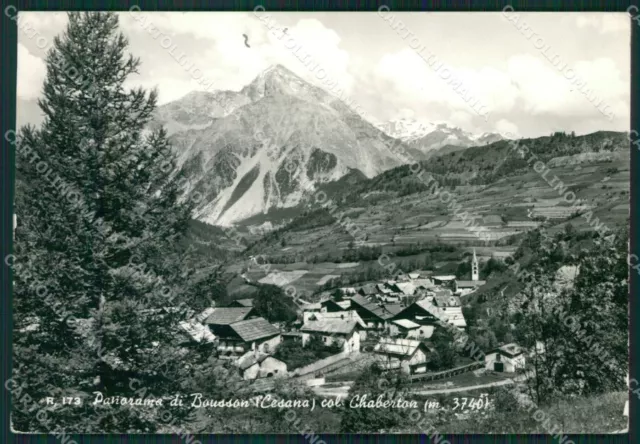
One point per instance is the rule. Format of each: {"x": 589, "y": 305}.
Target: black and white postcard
{"x": 321, "y": 222}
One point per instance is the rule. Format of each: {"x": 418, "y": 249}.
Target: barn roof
{"x": 402, "y": 347}
{"x": 469, "y": 284}
{"x": 406, "y": 287}
{"x": 368, "y": 289}
{"x": 512, "y": 350}
{"x": 330, "y": 326}
{"x": 205, "y": 314}
{"x": 348, "y": 315}
{"x": 378, "y": 311}
{"x": 394, "y": 309}
{"x": 447, "y": 277}
{"x": 406, "y": 323}
{"x": 253, "y": 329}
{"x": 228, "y": 315}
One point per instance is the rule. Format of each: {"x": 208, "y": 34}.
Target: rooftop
{"x": 402, "y": 347}
{"x": 341, "y": 315}
{"x": 380, "y": 312}
{"x": 447, "y": 277}
{"x": 510, "y": 349}
{"x": 253, "y": 329}
{"x": 465, "y": 284}
{"x": 339, "y": 326}
{"x": 368, "y": 289}
{"x": 407, "y": 288}
{"x": 406, "y": 323}
{"x": 228, "y": 315}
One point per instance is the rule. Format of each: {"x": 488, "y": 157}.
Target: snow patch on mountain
{"x": 430, "y": 136}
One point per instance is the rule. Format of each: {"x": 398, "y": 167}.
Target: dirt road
{"x": 471, "y": 387}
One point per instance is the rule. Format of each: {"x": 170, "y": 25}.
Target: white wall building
{"x": 507, "y": 358}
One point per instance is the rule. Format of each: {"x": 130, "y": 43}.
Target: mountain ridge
{"x": 430, "y": 137}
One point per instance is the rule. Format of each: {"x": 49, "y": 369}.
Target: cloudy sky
{"x": 523, "y": 91}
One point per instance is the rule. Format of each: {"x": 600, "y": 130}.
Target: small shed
{"x": 506, "y": 358}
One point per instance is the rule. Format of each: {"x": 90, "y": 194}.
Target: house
{"x": 331, "y": 306}
{"x": 430, "y": 311}
{"x": 348, "y": 291}
{"x": 419, "y": 312}
{"x": 241, "y": 303}
{"x": 342, "y": 315}
{"x": 401, "y": 327}
{"x": 375, "y": 316}
{"x": 506, "y": 358}
{"x": 466, "y": 287}
{"x": 345, "y": 305}
{"x": 407, "y": 355}
{"x": 224, "y": 316}
{"x": 449, "y": 309}
{"x": 383, "y": 288}
{"x": 444, "y": 280}
{"x": 410, "y": 330}
{"x": 253, "y": 365}
{"x": 255, "y": 334}
{"x": 368, "y": 290}
{"x": 404, "y": 288}
{"x": 343, "y": 332}
{"x": 414, "y": 276}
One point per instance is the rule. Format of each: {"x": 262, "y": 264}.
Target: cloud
{"x": 505, "y": 127}
{"x": 461, "y": 119}
{"x": 411, "y": 76}
{"x": 227, "y": 58}
{"x": 545, "y": 90}
{"x": 605, "y": 22}
{"x": 31, "y": 74}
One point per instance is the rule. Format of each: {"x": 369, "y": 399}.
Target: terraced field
{"x": 505, "y": 209}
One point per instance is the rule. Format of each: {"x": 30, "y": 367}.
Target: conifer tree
{"x": 98, "y": 249}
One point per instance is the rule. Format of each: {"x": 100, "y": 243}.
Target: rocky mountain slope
{"x": 269, "y": 145}
{"x": 430, "y": 137}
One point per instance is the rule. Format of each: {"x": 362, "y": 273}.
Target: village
{"x": 389, "y": 323}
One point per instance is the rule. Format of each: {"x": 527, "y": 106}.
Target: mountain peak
{"x": 273, "y": 81}
{"x": 277, "y": 69}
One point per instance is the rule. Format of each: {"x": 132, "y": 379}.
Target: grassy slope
{"x": 594, "y": 414}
